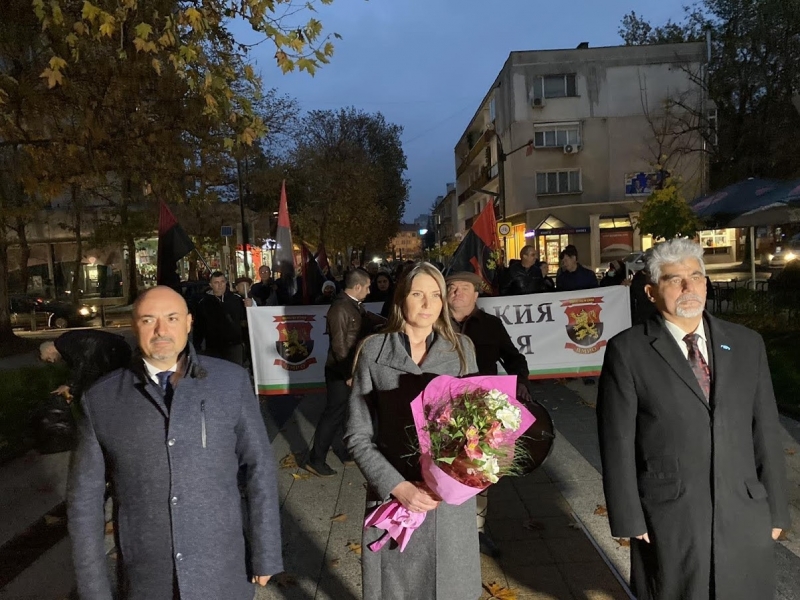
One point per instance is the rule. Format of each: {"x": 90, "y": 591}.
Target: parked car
{"x": 51, "y": 313}
{"x": 636, "y": 261}
{"x": 787, "y": 253}
{"x": 23, "y": 308}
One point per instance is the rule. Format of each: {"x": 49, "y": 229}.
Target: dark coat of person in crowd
{"x": 523, "y": 276}
{"x": 172, "y": 452}
{"x": 574, "y": 276}
{"x": 264, "y": 292}
{"x": 615, "y": 275}
{"x": 221, "y": 321}
{"x": 89, "y": 354}
{"x": 642, "y": 307}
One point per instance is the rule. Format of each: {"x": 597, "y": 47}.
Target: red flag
{"x": 173, "y": 245}
{"x": 474, "y": 253}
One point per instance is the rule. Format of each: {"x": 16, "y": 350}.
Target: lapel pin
{"x": 725, "y": 347}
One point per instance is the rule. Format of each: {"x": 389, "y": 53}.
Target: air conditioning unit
{"x": 571, "y": 149}
{"x": 537, "y": 102}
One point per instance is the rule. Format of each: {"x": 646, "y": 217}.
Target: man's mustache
{"x": 162, "y": 338}
{"x": 689, "y": 298}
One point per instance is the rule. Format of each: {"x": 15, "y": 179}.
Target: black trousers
{"x": 330, "y": 427}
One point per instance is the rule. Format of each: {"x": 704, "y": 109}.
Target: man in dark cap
{"x": 492, "y": 345}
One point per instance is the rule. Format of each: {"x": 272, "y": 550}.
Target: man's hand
{"x": 776, "y": 533}
{"x": 63, "y": 390}
{"x": 415, "y": 497}
{"x": 644, "y": 537}
{"x": 261, "y": 580}
{"x": 248, "y": 302}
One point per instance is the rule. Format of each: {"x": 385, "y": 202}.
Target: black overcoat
{"x": 706, "y": 481}
{"x": 178, "y": 508}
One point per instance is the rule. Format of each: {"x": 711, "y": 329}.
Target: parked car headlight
{"x": 790, "y": 256}
{"x": 770, "y": 256}
{"x": 84, "y": 311}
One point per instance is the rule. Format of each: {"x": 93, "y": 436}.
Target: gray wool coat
{"x": 442, "y": 560}
{"x": 705, "y": 480}
{"x": 178, "y": 508}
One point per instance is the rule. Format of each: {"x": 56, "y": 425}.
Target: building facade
{"x": 407, "y": 244}
{"x": 580, "y": 138}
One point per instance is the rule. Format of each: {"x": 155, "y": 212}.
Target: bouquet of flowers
{"x": 467, "y": 431}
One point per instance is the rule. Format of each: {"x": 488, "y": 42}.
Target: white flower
{"x": 491, "y": 469}
{"x": 509, "y": 416}
{"x": 495, "y": 399}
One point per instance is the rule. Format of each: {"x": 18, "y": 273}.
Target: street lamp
{"x": 423, "y": 231}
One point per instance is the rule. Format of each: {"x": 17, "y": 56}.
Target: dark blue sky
{"x": 426, "y": 64}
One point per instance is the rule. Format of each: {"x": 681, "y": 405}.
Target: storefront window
{"x": 550, "y": 246}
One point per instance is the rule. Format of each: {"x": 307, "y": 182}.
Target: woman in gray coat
{"x": 441, "y": 561}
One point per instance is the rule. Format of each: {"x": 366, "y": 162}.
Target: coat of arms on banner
{"x": 294, "y": 343}
{"x": 585, "y": 327}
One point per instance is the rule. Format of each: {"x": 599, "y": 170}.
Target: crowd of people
{"x": 693, "y": 471}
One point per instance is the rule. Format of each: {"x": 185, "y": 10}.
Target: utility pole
{"x": 245, "y": 239}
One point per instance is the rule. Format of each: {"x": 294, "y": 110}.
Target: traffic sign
{"x": 226, "y": 231}
{"x": 504, "y": 229}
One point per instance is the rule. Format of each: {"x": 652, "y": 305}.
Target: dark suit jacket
{"x": 705, "y": 480}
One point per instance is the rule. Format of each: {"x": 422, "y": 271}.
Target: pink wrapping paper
{"x": 397, "y": 520}
{"x": 438, "y": 392}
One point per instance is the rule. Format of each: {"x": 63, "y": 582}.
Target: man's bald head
{"x": 162, "y": 323}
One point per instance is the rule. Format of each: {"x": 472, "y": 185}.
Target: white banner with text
{"x": 562, "y": 334}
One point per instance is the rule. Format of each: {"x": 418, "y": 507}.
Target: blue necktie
{"x": 163, "y": 380}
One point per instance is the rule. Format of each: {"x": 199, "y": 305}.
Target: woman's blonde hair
{"x": 442, "y": 326}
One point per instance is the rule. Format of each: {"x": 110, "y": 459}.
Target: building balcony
{"x": 479, "y": 146}
{"x": 486, "y": 175}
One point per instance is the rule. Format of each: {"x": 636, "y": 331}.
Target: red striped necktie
{"x": 698, "y": 364}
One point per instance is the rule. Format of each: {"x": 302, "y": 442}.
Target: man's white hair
{"x": 672, "y": 252}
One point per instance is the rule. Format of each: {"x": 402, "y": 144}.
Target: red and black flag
{"x": 284, "y": 252}
{"x": 322, "y": 258}
{"x": 478, "y": 251}
{"x": 173, "y": 245}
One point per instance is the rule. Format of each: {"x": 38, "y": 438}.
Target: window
{"x": 555, "y": 86}
{"x": 558, "y": 182}
{"x": 556, "y": 136}
{"x": 712, "y": 126}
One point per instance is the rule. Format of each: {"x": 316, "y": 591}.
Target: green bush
{"x": 21, "y": 392}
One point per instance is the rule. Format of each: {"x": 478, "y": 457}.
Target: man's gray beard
{"x": 689, "y": 313}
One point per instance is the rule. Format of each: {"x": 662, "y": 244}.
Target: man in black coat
{"x": 89, "y": 354}
{"x": 693, "y": 469}
{"x": 524, "y": 276}
{"x": 573, "y": 275}
{"x": 264, "y": 292}
{"x": 171, "y": 432}
{"x": 221, "y": 321}
{"x": 492, "y": 345}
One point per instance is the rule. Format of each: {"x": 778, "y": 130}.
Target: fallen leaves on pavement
{"x": 589, "y": 404}
{"x": 110, "y": 527}
{"x": 333, "y": 563}
{"x": 791, "y": 451}
{"x": 601, "y": 510}
{"x": 288, "y": 462}
{"x": 498, "y": 592}
{"x": 624, "y": 542}
{"x": 339, "y": 518}
{"x": 51, "y": 520}
{"x": 301, "y": 475}
{"x": 354, "y": 547}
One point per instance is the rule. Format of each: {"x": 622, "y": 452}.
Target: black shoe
{"x": 322, "y": 470}
{"x": 488, "y": 547}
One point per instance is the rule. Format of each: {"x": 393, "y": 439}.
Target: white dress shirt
{"x": 678, "y": 334}
{"x": 151, "y": 370}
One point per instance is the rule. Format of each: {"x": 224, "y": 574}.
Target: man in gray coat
{"x": 171, "y": 432}
{"x": 693, "y": 469}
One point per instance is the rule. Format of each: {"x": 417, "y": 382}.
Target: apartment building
{"x": 444, "y": 216}
{"x": 580, "y": 138}
{"x": 407, "y": 244}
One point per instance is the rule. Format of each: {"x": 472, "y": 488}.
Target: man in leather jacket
{"x": 524, "y": 276}
{"x": 347, "y": 325}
